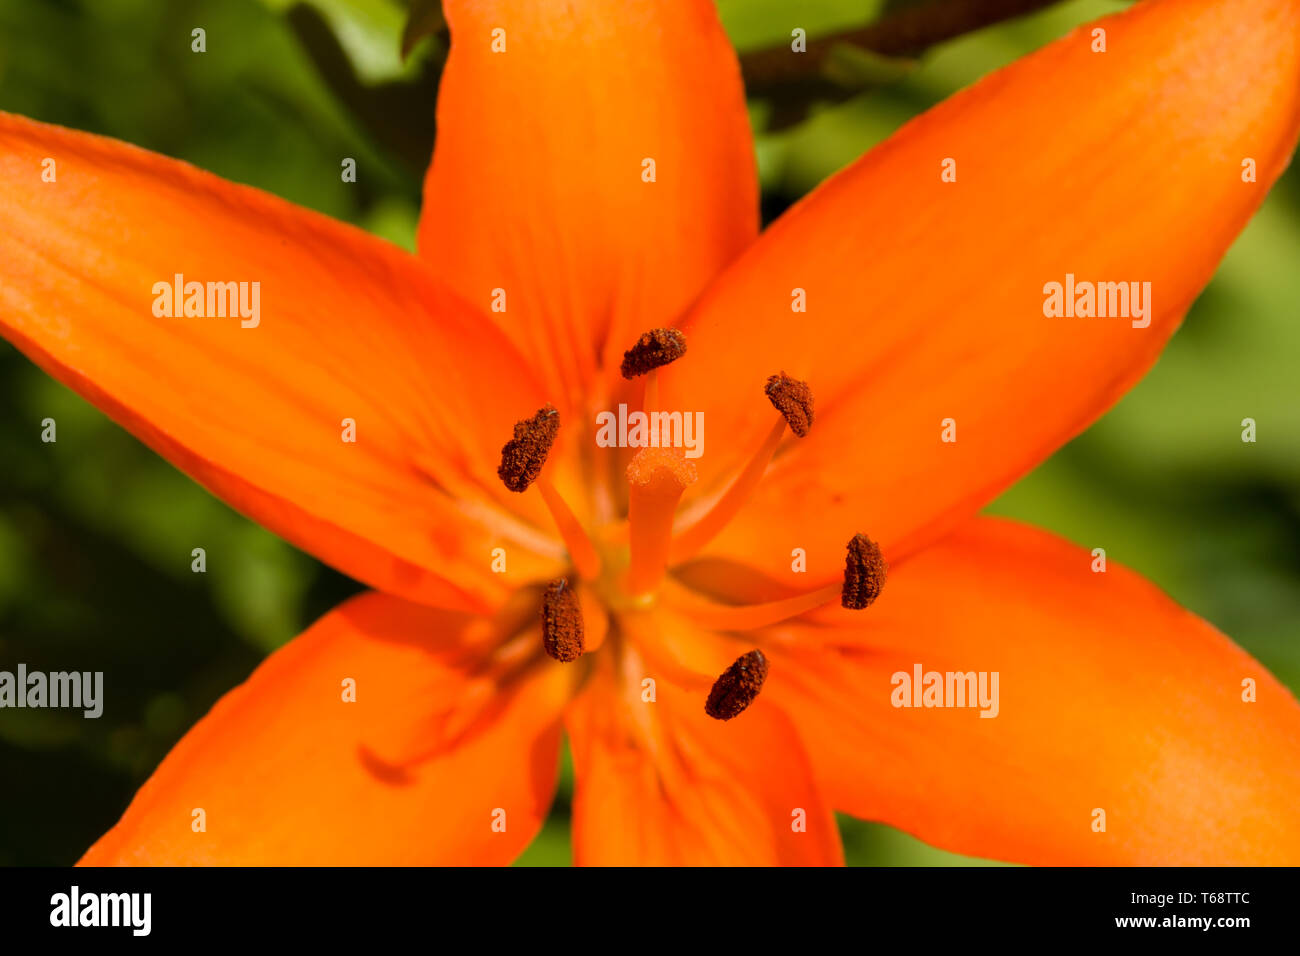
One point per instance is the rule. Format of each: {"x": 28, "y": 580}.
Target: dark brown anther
{"x": 737, "y": 687}
{"x": 562, "y": 634}
{"x": 794, "y": 400}
{"x": 655, "y": 348}
{"x": 524, "y": 455}
{"x": 865, "y": 571}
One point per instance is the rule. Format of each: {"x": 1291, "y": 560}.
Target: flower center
{"x": 626, "y": 566}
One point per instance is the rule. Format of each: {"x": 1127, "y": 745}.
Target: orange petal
{"x": 288, "y": 773}
{"x": 347, "y": 327}
{"x": 537, "y": 184}
{"x": 1110, "y": 698}
{"x": 925, "y": 299}
{"x": 659, "y": 783}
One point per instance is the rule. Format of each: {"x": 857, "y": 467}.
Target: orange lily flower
{"x": 661, "y": 575}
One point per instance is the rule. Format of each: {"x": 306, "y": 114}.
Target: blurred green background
{"x": 90, "y": 572}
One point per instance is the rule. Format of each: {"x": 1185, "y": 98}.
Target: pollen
{"x": 655, "y": 348}
{"x": 736, "y": 689}
{"x": 562, "y": 632}
{"x": 524, "y": 455}
{"x": 794, "y": 400}
{"x": 864, "y": 573}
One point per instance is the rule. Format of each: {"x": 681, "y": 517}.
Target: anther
{"x": 524, "y": 455}
{"x": 865, "y": 571}
{"x": 864, "y": 577}
{"x": 655, "y": 348}
{"x": 737, "y": 687}
{"x": 562, "y": 632}
{"x": 794, "y": 400}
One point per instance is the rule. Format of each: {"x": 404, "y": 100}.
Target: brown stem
{"x": 906, "y": 33}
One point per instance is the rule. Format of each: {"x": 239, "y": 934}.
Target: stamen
{"x": 864, "y": 573}
{"x": 794, "y": 400}
{"x": 522, "y": 459}
{"x": 864, "y": 577}
{"x": 736, "y": 689}
{"x": 582, "y": 552}
{"x": 752, "y": 617}
{"x": 654, "y": 349}
{"x": 691, "y": 541}
{"x": 656, "y": 479}
{"x": 650, "y": 392}
{"x": 524, "y": 455}
{"x": 562, "y": 633}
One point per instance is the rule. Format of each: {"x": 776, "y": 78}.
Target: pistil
{"x": 656, "y": 479}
